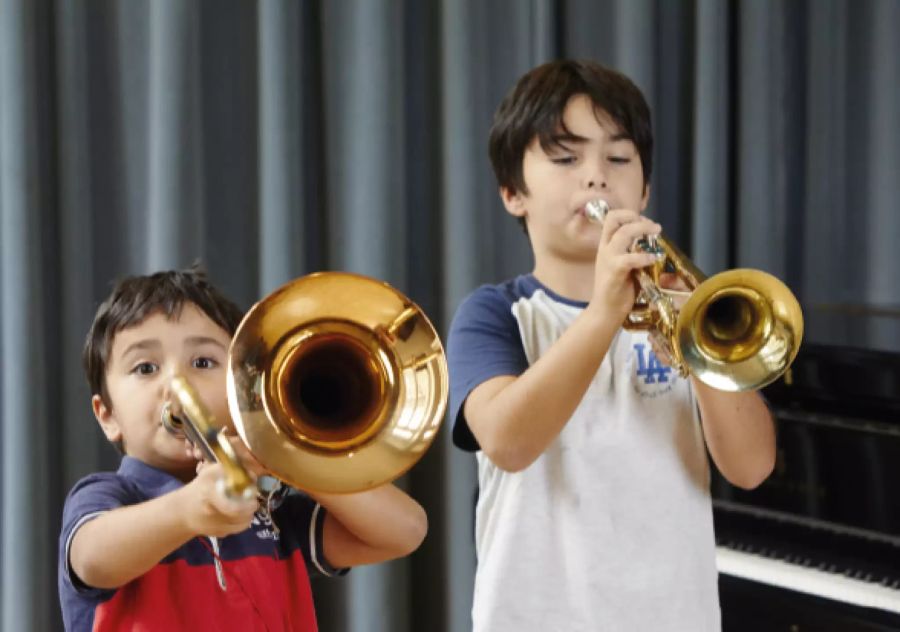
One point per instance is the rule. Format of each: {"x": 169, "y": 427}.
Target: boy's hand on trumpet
{"x": 208, "y": 510}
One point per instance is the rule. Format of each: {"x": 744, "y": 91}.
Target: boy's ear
{"x": 106, "y": 419}
{"x": 513, "y": 201}
{"x": 646, "y": 197}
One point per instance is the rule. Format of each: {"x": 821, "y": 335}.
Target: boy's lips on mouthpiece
{"x": 582, "y": 210}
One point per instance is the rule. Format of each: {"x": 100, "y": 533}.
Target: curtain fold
{"x": 29, "y": 328}
{"x": 273, "y": 139}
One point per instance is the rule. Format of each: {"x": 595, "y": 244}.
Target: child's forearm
{"x": 515, "y": 419}
{"x": 739, "y": 434}
{"x": 123, "y": 544}
{"x": 373, "y": 526}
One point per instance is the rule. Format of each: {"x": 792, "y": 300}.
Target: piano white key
{"x": 807, "y": 580}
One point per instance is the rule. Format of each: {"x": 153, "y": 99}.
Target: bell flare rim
{"x": 775, "y": 353}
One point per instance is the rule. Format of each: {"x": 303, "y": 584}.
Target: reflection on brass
{"x": 404, "y": 323}
{"x": 738, "y": 330}
{"x": 337, "y": 382}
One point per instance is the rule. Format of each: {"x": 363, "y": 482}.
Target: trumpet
{"x": 739, "y": 330}
{"x": 337, "y": 383}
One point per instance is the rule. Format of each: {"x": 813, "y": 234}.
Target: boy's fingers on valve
{"x": 615, "y": 220}
{"x": 635, "y": 261}
{"x": 627, "y": 234}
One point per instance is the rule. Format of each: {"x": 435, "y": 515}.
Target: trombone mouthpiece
{"x": 170, "y": 422}
{"x": 596, "y": 210}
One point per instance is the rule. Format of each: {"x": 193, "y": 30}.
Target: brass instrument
{"x": 337, "y": 383}
{"x": 190, "y": 418}
{"x": 738, "y": 330}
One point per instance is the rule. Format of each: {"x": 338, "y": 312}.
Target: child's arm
{"x": 363, "y": 528}
{"x": 369, "y": 527}
{"x": 124, "y": 543}
{"x": 739, "y": 433}
{"x": 513, "y": 418}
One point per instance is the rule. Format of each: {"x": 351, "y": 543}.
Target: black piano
{"x": 817, "y": 546}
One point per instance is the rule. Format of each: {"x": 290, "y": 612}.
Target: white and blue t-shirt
{"x": 611, "y": 527}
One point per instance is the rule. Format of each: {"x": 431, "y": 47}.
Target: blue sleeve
{"x": 307, "y": 517}
{"x": 484, "y": 342}
{"x": 91, "y": 497}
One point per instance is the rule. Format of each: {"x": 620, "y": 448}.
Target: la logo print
{"x": 649, "y": 369}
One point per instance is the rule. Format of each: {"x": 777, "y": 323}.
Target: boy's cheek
{"x": 215, "y": 398}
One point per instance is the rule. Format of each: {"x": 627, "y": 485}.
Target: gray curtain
{"x": 277, "y": 138}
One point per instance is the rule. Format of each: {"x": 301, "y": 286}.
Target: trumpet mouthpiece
{"x": 596, "y": 210}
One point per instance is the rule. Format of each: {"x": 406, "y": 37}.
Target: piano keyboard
{"x": 882, "y": 595}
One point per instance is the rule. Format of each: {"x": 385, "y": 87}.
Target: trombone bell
{"x": 337, "y": 382}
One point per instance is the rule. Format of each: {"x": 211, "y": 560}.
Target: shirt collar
{"x": 153, "y": 481}
{"x": 531, "y": 282}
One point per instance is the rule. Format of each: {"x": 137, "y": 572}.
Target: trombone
{"x": 738, "y": 330}
{"x": 337, "y": 383}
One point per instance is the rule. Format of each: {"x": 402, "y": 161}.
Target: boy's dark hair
{"x": 135, "y": 298}
{"x": 535, "y": 106}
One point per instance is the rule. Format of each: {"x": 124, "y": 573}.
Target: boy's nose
{"x": 166, "y": 396}
{"x": 595, "y": 178}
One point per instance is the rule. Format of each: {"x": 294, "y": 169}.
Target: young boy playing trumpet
{"x": 594, "y": 510}
{"x": 157, "y": 545}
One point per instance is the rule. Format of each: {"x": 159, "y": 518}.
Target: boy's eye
{"x": 204, "y": 363}
{"x": 620, "y": 160}
{"x": 563, "y": 160}
{"x": 144, "y": 368}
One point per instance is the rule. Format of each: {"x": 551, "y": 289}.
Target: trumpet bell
{"x": 337, "y": 382}
{"x": 739, "y": 330}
